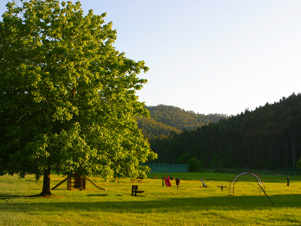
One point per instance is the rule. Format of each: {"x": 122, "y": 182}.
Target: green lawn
{"x": 191, "y": 204}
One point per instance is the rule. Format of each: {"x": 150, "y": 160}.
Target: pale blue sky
{"x": 213, "y": 56}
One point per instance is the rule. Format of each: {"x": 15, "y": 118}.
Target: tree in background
{"x": 184, "y": 158}
{"x": 194, "y": 165}
{"x": 67, "y": 97}
{"x": 299, "y": 164}
{"x": 266, "y": 138}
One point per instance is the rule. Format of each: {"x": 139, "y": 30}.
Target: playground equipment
{"x": 76, "y": 181}
{"x": 222, "y": 187}
{"x": 166, "y": 181}
{"x": 258, "y": 179}
{"x": 178, "y": 180}
{"x": 204, "y": 185}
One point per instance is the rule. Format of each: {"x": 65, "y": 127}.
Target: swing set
{"x": 76, "y": 181}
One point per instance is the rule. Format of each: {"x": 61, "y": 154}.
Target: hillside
{"x": 152, "y": 128}
{"x": 166, "y": 119}
{"x": 266, "y": 138}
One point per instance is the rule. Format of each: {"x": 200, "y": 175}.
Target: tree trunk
{"x": 293, "y": 144}
{"x": 46, "y": 183}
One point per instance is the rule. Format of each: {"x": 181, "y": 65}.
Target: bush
{"x": 195, "y": 165}
{"x": 184, "y": 158}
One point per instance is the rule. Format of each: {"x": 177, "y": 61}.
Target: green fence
{"x": 172, "y": 168}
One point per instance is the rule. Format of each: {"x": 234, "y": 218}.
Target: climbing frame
{"x": 233, "y": 181}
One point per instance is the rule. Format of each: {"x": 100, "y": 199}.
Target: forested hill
{"x": 266, "y": 138}
{"x": 166, "y": 119}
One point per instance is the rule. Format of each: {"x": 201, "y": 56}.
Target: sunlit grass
{"x": 191, "y": 204}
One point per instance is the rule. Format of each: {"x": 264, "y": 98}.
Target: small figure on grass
{"x": 178, "y": 180}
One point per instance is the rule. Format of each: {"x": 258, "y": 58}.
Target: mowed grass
{"x": 191, "y": 204}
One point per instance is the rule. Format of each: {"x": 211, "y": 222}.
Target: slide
{"x": 167, "y": 181}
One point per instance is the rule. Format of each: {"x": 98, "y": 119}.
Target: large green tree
{"x": 67, "y": 97}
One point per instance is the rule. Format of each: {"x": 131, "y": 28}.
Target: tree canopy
{"x": 67, "y": 97}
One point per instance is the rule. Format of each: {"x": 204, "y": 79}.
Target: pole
{"x": 266, "y": 195}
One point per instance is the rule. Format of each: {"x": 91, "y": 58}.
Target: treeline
{"x": 266, "y": 138}
{"x": 166, "y": 119}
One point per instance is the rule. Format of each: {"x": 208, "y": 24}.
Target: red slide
{"x": 167, "y": 181}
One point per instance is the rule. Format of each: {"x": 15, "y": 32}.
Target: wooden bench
{"x": 135, "y": 190}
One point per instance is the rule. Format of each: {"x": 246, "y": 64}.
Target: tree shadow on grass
{"x": 5, "y": 196}
{"x": 161, "y": 206}
{"x": 99, "y": 195}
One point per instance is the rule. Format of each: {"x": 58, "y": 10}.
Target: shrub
{"x": 195, "y": 165}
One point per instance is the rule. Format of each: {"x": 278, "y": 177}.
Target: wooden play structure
{"x": 76, "y": 181}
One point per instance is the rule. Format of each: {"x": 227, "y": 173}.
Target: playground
{"x": 189, "y": 203}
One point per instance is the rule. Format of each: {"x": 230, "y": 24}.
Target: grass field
{"x": 191, "y": 204}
